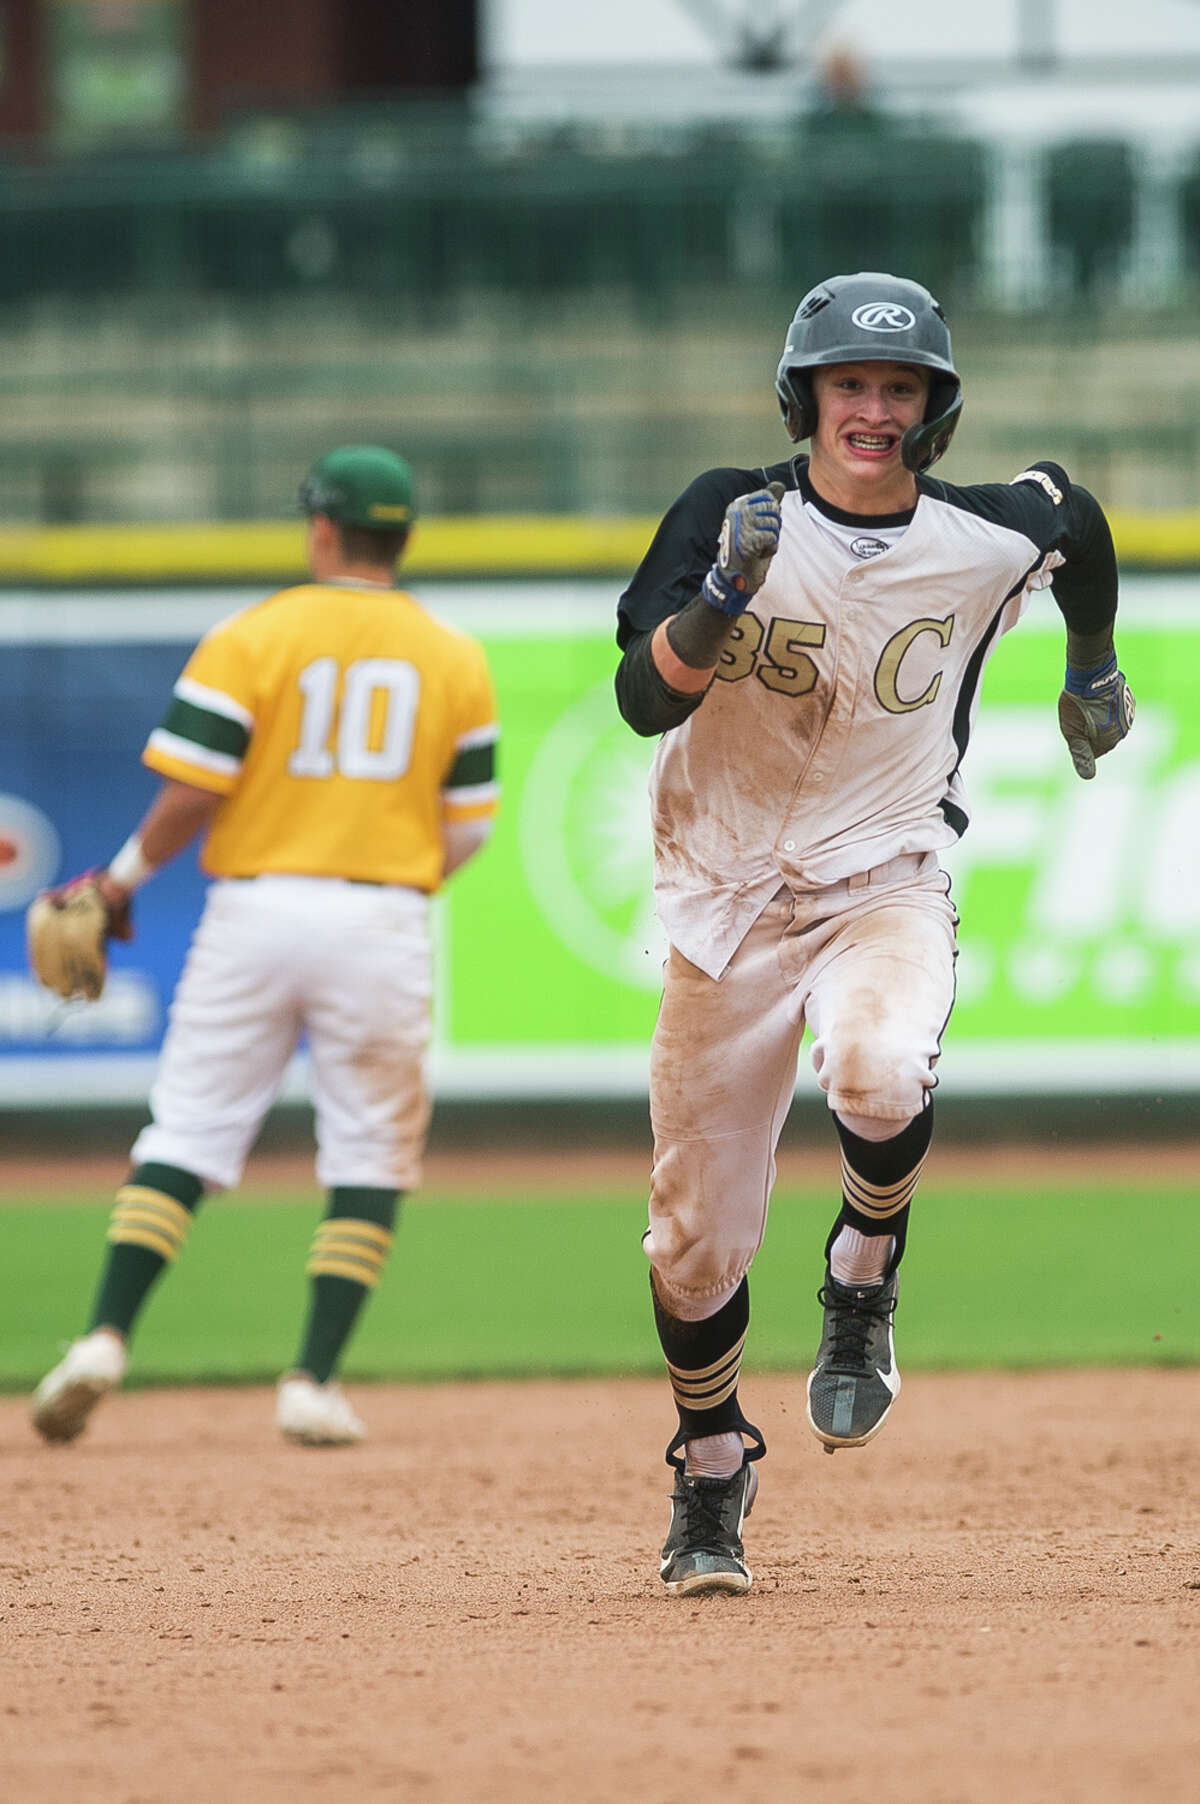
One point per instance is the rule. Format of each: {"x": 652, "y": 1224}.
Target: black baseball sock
{"x": 348, "y": 1253}
{"x": 879, "y": 1179}
{"x": 149, "y": 1223}
{"x": 703, "y": 1362}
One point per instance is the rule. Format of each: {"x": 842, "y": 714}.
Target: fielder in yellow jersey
{"x": 346, "y": 729}
{"x": 335, "y": 746}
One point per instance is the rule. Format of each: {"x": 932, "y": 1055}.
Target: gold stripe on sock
{"x": 879, "y": 1200}
{"x": 346, "y": 1248}
{"x": 687, "y": 1385}
{"x": 148, "y": 1218}
{"x": 707, "y": 1386}
{"x": 697, "y": 1372}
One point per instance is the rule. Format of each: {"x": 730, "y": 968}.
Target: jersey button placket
{"x": 830, "y": 746}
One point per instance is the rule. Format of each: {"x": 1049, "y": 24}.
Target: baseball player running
{"x": 335, "y": 745}
{"x": 808, "y": 638}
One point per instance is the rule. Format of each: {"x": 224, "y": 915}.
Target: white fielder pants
{"x": 868, "y": 966}
{"x": 345, "y": 964}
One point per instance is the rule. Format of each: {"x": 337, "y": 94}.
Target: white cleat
{"x": 316, "y": 1415}
{"x": 66, "y": 1397}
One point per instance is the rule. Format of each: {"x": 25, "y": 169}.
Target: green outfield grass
{"x": 995, "y": 1276}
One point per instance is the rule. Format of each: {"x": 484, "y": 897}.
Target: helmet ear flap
{"x": 922, "y": 445}
{"x": 799, "y": 409}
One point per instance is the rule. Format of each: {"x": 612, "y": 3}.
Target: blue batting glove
{"x": 749, "y": 540}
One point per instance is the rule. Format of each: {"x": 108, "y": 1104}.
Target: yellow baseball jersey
{"x": 344, "y": 725}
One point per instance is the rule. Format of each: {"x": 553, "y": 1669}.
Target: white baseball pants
{"x": 868, "y": 966}
{"x": 272, "y": 959}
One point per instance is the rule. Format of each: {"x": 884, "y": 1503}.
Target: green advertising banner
{"x": 1079, "y": 961}
{"x": 551, "y": 951}
{"x": 1079, "y": 967}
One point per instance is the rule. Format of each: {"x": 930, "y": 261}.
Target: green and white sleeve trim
{"x": 185, "y": 751}
{"x": 472, "y": 776}
{"x": 213, "y": 701}
{"x": 203, "y": 727}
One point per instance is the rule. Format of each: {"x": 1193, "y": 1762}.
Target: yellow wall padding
{"x": 479, "y": 546}
{"x": 273, "y": 553}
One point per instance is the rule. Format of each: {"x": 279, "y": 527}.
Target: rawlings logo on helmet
{"x": 883, "y": 316}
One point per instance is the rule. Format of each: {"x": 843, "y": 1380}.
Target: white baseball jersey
{"x": 832, "y": 737}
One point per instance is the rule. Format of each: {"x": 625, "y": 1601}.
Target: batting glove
{"x": 1095, "y": 711}
{"x": 749, "y": 540}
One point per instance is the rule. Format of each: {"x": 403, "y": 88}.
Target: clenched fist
{"x": 1095, "y": 711}
{"x": 749, "y": 540}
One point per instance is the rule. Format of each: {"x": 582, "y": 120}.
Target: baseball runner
{"x": 335, "y": 745}
{"x": 809, "y": 638}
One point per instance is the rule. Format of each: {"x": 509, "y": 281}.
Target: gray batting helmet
{"x": 872, "y": 318}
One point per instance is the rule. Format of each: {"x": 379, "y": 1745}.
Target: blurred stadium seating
{"x": 557, "y": 319}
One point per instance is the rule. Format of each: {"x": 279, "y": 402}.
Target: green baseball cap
{"x": 361, "y": 485}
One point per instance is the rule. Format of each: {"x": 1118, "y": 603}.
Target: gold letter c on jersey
{"x": 887, "y": 671}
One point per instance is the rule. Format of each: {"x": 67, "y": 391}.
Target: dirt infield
{"x": 998, "y": 1600}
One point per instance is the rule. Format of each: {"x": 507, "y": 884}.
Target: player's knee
{"x": 866, "y": 1069}
{"x": 694, "y": 1277}
{"x": 875, "y": 1127}
{"x": 689, "y": 1304}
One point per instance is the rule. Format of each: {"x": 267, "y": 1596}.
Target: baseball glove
{"x": 67, "y": 933}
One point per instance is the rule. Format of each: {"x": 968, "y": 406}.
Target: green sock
{"x": 348, "y": 1253}
{"x": 147, "y": 1228}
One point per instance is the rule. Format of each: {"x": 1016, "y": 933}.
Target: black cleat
{"x": 854, "y": 1382}
{"x": 703, "y": 1549}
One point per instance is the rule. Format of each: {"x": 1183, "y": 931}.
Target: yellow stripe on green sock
{"x": 345, "y": 1248}
{"x": 148, "y": 1218}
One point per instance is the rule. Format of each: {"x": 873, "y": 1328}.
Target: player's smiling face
{"x": 863, "y": 411}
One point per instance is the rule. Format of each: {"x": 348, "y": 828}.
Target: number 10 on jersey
{"x": 368, "y": 737}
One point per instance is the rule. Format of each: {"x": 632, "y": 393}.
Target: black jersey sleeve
{"x": 1058, "y": 515}
{"x": 1085, "y": 588}
{"x": 682, "y": 550}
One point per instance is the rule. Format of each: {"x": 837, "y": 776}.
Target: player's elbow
{"x": 647, "y": 702}
{"x": 461, "y": 840}
{"x": 636, "y": 710}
